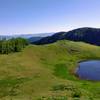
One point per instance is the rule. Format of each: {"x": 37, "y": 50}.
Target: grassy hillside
{"x": 46, "y": 72}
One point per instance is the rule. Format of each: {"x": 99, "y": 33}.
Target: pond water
{"x": 89, "y": 70}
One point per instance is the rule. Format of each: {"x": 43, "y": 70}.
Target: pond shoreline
{"x": 84, "y": 72}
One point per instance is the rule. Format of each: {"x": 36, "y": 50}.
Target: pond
{"x": 89, "y": 70}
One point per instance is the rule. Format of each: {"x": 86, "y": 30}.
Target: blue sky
{"x": 39, "y": 16}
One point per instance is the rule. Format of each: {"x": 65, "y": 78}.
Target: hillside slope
{"x": 46, "y": 72}
{"x": 88, "y": 35}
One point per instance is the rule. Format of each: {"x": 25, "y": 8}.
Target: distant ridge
{"x": 85, "y": 34}
{"x": 30, "y": 37}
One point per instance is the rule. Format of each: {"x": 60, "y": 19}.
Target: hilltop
{"x": 86, "y": 34}
{"x": 47, "y": 71}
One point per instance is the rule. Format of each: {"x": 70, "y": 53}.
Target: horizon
{"x": 47, "y": 16}
{"x": 45, "y": 32}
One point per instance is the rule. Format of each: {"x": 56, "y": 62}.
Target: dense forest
{"x": 12, "y": 45}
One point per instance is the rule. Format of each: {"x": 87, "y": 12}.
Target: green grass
{"x": 60, "y": 70}
{"x": 46, "y": 72}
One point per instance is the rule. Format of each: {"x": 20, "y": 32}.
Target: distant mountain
{"x": 33, "y": 39}
{"x": 30, "y": 37}
{"x": 88, "y": 35}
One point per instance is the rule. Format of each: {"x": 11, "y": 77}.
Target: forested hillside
{"x": 12, "y": 45}
{"x": 88, "y": 35}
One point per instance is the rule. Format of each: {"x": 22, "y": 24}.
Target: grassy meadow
{"x": 46, "y": 72}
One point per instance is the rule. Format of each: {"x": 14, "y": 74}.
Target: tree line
{"x": 12, "y": 45}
